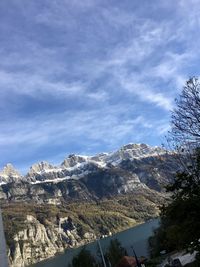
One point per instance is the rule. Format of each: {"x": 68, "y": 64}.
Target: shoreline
{"x": 91, "y": 244}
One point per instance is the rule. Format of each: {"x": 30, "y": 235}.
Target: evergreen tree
{"x": 83, "y": 259}
{"x": 115, "y": 252}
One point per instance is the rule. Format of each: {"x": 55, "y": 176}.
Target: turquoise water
{"x": 136, "y": 236}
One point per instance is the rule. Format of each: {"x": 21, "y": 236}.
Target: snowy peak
{"x": 129, "y": 151}
{"x": 9, "y": 170}
{"x": 9, "y": 174}
{"x": 72, "y": 160}
{"x": 139, "y": 150}
{"x": 41, "y": 167}
{"x": 77, "y": 166}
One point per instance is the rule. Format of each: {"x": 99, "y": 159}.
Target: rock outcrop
{"x": 83, "y": 177}
{"x": 39, "y": 241}
{"x": 135, "y": 170}
{"x": 9, "y": 174}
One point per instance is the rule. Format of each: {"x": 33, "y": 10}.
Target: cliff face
{"x": 120, "y": 189}
{"x": 149, "y": 172}
{"x": 36, "y": 231}
{"x": 38, "y": 241}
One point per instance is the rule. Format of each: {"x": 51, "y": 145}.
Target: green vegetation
{"x": 112, "y": 256}
{"x": 102, "y": 217}
{"x": 153, "y": 262}
{"x": 115, "y": 252}
{"x": 180, "y": 219}
{"x": 84, "y": 258}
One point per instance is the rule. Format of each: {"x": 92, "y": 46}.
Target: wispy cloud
{"x": 90, "y": 75}
{"x": 44, "y": 129}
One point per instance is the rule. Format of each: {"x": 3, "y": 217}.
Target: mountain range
{"x": 52, "y": 208}
{"x": 91, "y": 177}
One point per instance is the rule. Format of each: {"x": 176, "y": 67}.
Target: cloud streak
{"x": 90, "y": 76}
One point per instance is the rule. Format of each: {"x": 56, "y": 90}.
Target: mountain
{"x": 98, "y": 194}
{"x": 9, "y": 174}
{"x": 35, "y": 232}
{"x": 91, "y": 177}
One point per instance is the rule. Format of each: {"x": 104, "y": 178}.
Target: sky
{"x": 90, "y": 76}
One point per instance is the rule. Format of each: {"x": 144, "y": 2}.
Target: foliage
{"x": 83, "y": 259}
{"x": 115, "y": 252}
{"x": 180, "y": 220}
{"x": 153, "y": 262}
{"x": 111, "y": 215}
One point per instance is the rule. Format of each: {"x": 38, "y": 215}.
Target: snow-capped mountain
{"x": 76, "y": 166}
{"x": 9, "y": 174}
{"x": 133, "y": 177}
{"x": 90, "y": 177}
{"x": 131, "y": 151}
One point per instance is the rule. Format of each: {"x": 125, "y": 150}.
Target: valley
{"x": 53, "y": 208}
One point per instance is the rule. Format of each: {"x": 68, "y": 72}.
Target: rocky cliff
{"x": 83, "y": 177}
{"x": 38, "y": 241}
{"x": 35, "y": 232}
{"x": 101, "y": 193}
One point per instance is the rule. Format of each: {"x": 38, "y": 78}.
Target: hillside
{"x": 56, "y": 207}
{"x": 91, "y": 178}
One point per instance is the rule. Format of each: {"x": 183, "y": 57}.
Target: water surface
{"x": 136, "y": 236}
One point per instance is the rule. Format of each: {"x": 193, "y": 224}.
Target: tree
{"x": 115, "y": 252}
{"x": 184, "y": 135}
{"x": 180, "y": 219}
{"x": 185, "y": 120}
{"x": 83, "y": 259}
{"x": 113, "y": 255}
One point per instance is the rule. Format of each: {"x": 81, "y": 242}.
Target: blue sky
{"x": 89, "y": 76}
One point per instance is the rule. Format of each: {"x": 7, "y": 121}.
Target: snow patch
{"x": 56, "y": 180}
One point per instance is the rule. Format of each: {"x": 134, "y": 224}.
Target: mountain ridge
{"x": 79, "y": 165}
{"x": 107, "y": 191}
{"x": 104, "y": 175}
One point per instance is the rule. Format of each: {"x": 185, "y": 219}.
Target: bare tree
{"x": 180, "y": 226}
{"x": 184, "y": 136}
{"x": 186, "y": 116}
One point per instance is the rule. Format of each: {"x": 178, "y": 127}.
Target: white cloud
{"x": 111, "y": 58}
{"x": 37, "y": 85}
{"x": 103, "y": 125}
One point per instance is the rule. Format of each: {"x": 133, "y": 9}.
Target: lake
{"x": 136, "y": 236}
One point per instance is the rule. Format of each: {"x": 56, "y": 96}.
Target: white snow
{"x": 83, "y": 156}
{"x": 100, "y": 164}
{"x": 49, "y": 170}
{"x": 130, "y": 151}
{"x": 4, "y": 175}
{"x": 77, "y": 166}
{"x": 56, "y": 180}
